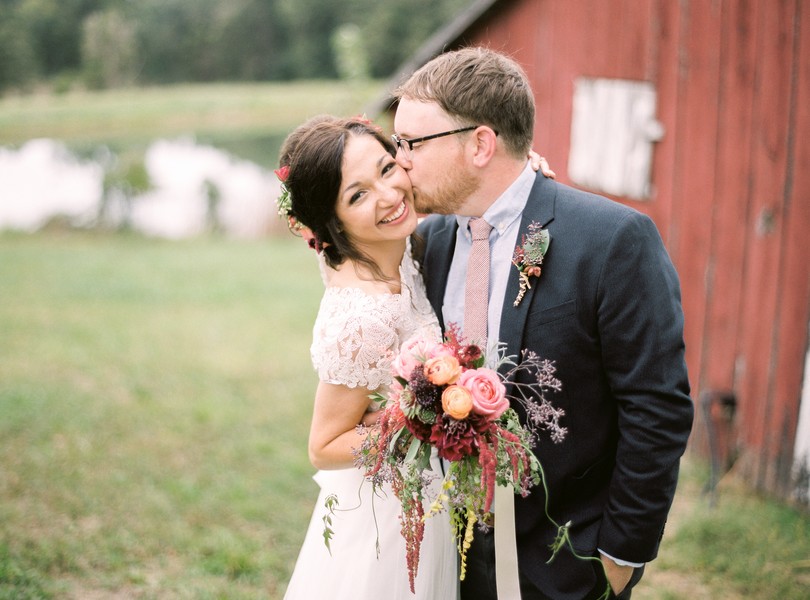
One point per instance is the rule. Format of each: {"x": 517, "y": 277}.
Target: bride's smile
{"x": 400, "y": 210}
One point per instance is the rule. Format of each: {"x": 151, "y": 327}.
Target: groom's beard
{"x": 449, "y": 193}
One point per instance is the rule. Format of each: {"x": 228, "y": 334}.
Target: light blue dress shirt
{"x": 504, "y": 217}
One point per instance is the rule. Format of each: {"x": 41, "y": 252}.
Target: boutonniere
{"x": 528, "y": 256}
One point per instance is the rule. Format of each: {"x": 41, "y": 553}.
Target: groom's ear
{"x": 484, "y": 142}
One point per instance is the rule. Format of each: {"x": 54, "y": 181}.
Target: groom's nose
{"x": 402, "y": 160}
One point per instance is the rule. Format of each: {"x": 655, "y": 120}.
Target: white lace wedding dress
{"x": 353, "y": 336}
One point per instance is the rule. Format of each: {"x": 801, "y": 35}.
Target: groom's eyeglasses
{"x": 407, "y": 145}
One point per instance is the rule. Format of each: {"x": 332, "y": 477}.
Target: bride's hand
{"x": 539, "y": 163}
{"x": 370, "y": 419}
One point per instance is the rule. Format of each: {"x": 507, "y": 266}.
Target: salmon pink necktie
{"x": 476, "y": 290}
{"x": 476, "y": 300}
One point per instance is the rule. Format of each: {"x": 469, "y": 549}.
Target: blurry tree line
{"x": 109, "y": 43}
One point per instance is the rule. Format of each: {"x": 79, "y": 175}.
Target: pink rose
{"x": 442, "y": 370}
{"x": 395, "y": 391}
{"x": 412, "y": 354}
{"x": 441, "y": 350}
{"x": 488, "y": 393}
{"x": 457, "y": 402}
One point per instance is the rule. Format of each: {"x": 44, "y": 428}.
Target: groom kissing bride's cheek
{"x": 510, "y": 265}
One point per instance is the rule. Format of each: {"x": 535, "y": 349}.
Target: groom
{"x": 605, "y": 308}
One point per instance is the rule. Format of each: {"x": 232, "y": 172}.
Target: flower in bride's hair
{"x": 457, "y": 401}
{"x": 282, "y": 173}
{"x": 366, "y": 121}
{"x": 442, "y": 370}
{"x": 284, "y": 202}
{"x": 488, "y": 393}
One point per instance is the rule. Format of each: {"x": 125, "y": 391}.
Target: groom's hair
{"x": 478, "y": 86}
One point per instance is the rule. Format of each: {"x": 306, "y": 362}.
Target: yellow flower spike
{"x": 436, "y": 507}
{"x": 466, "y": 543}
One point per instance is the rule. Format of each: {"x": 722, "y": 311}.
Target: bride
{"x": 355, "y": 205}
{"x": 347, "y": 189}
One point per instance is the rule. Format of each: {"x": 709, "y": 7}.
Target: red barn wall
{"x": 731, "y": 178}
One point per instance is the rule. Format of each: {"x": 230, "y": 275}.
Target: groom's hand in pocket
{"x": 618, "y": 576}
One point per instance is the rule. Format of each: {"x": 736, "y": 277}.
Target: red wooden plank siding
{"x": 667, "y": 155}
{"x": 540, "y": 69}
{"x": 769, "y": 165}
{"x": 728, "y": 206}
{"x": 790, "y": 327}
{"x": 696, "y": 139}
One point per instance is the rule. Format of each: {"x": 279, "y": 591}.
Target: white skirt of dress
{"x": 353, "y": 570}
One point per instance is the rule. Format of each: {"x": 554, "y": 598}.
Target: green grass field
{"x": 155, "y": 396}
{"x": 154, "y": 407}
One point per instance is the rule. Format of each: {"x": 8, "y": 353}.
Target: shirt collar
{"x": 509, "y": 205}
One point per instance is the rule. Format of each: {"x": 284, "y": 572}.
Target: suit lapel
{"x": 540, "y": 209}
{"x": 443, "y": 241}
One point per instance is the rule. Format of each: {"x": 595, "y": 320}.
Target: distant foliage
{"x": 109, "y": 50}
{"x": 111, "y": 43}
{"x": 350, "y": 53}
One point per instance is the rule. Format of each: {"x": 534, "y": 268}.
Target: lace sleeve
{"x": 354, "y": 338}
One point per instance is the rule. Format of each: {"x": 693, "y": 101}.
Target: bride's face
{"x": 375, "y": 202}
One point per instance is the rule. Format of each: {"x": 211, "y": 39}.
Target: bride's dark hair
{"x": 314, "y": 154}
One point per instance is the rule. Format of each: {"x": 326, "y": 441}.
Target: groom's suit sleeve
{"x": 640, "y": 324}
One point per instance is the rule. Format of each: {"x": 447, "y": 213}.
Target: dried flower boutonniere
{"x": 528, "y": 256}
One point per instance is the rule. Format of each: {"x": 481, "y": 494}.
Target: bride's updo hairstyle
{"x": 314, "y": 154}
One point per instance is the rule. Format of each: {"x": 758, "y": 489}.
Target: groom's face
{"x": 441, "y": 178}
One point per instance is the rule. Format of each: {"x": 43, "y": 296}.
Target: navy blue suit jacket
{"x": 606, "y": 309}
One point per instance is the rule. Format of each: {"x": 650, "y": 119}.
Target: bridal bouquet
{"x": 443, "y": 398}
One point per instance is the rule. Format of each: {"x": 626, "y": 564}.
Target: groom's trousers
{"x": 480, "y": 584}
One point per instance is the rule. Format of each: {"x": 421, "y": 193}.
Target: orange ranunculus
{"x": 457, "y": 402}
{"x": 442, "y": 370}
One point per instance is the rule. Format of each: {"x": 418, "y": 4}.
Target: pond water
{"x": 193, "y": 189}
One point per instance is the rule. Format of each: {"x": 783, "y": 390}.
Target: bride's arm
{"x": 333, "y": 433}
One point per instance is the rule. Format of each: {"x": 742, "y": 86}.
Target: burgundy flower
{"x": 456, "y": 439}
{"x": 420, "y": 430}
{"x": 426, "y": 394}
{"x": 469, "y": 355}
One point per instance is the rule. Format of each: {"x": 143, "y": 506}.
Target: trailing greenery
{"x": 109, "y": 43}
